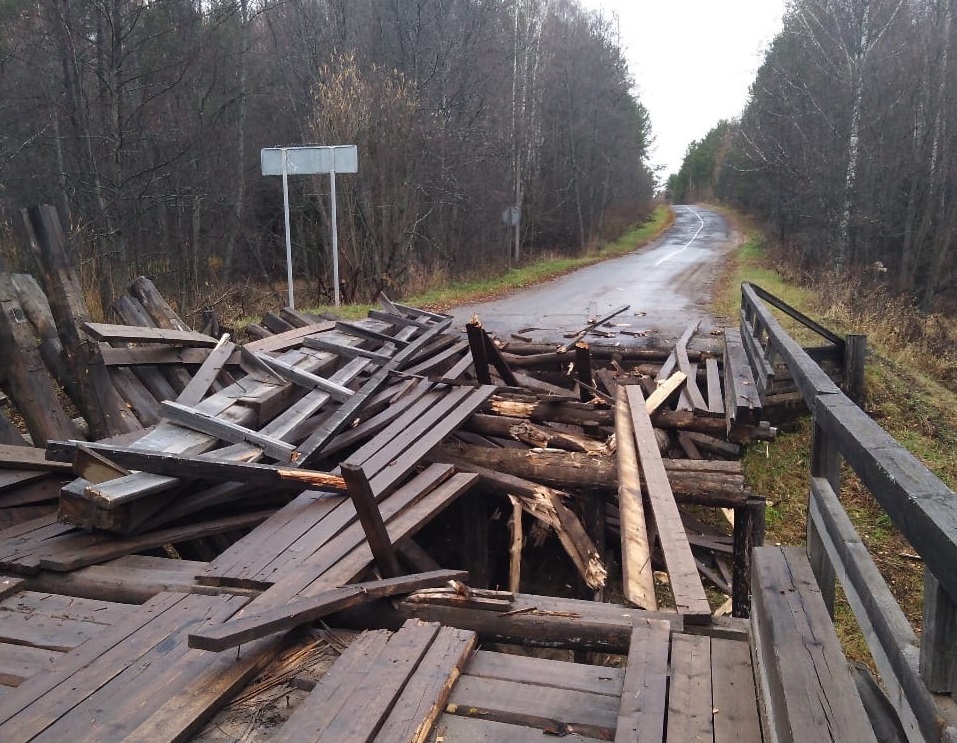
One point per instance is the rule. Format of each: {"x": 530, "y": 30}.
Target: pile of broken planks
{"x": 295, "y": 475}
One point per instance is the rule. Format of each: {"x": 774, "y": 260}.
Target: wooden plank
{"x": 153, "y": 675}
{"x": 638, "y": 583}
{"x": 20, "y": 662}
{"x": 344, "y": 350}
{"x": 330, "y": 694}
{"x": 203, "y": 379}
{"x": 734, "y": 695}
{"x": 741, "y": 400}
{"x": 289, "y": 339}
{"x": 81, "y": 550}
{"x": 360, "y": 331}
{"x": 545, "y": 707}
{"x": 306, "y": 379}
{"x": 313, "y": 446}
{"x": 423, "y": 699}
{"x": 361, "y": 714}
{"x": 684, "y": 364}
{"x": 664, "y": 390}
{"x": 642, "y": 713}
{"x": 136, "y": 334}
{"x": 544, "y": 672}
{"x": 809, "y": 377}
{"x": 921, "y": 506}
{"x": 715, "y": 400}
{"x": 426, "y": 440}
{"x": 689, "y": 595}
{"x": 303, "y": 611}
{"x": 203, "y": 422}
{"x": 808, "y": 691}
{"x": 456, "y": 729}
{"x": 394, "y": 318}
{"x": 690, "y": 710}
{"x": 29, "y": 458}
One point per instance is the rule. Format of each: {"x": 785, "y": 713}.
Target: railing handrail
{"x": 921, "y": 506}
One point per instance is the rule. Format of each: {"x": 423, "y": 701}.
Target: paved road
{"x": 667, "y": 284}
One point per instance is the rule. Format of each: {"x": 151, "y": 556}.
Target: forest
{"x": 847, "y": 147}
{"x": 142, "y": 121}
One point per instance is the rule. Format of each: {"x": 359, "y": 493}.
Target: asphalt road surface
{"x": 666, "y": 284}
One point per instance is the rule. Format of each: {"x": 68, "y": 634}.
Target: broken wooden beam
{"x": 232, "y": 633}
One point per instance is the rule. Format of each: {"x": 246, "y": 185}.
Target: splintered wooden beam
{"x": 637, "y": 575}
{"x": 200, "y": 468}
{"x": 689, "y": 595}
{"x": 359, "y": 331}
{"x": 476, "y": 336}
{"x": 302, "y": 611}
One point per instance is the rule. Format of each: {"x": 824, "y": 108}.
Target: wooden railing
{"x": 919, "y": 675}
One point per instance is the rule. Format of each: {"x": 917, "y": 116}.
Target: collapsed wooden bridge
{"x": 171, "y": 555}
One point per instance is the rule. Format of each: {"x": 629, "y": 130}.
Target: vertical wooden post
{"x": 938, "y": 642}
{"x": 826, "y": 463}
{"x": 474, "y": 512}
{"x": 748, "y": 534}
{"x": 855, "y": 353}
{"x": 583, "y": 371}
{"x": 476, "y": 336}
{"x": 371, "y": 520}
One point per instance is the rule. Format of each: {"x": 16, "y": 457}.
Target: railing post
{"x": 938, "y": 643}
{"x": 826, "y": 463}
{"x": 855, "y": 353}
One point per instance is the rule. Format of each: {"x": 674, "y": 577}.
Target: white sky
{"x": 692, "y": 61}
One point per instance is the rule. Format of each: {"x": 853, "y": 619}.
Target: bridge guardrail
{"x": 919, "y": 675}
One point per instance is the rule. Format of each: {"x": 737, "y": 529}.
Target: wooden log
{"x": 516, "y": 546}
{"x": 638, "y": 582}
{"x": 27, "y": 381}
{"x": 546, "y": 411}
{"x": 692, "y": 482}
{"x": 37, "y": 309}
{"x": 100, "y": 404}
{"x": 527, "y": 432}
{"x": 9, "y": 433}
{"x": 689, "y": 595}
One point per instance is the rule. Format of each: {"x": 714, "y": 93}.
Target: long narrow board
{"x": 637, "y": 575}
{"x": 690, "y": 598}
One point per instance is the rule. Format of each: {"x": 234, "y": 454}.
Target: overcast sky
{"x": 692, "y": 61}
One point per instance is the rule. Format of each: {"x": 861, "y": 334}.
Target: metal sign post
{"x": 312, "y": 160}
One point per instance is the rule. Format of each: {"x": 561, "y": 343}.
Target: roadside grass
{"x": 904, "y": 396}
